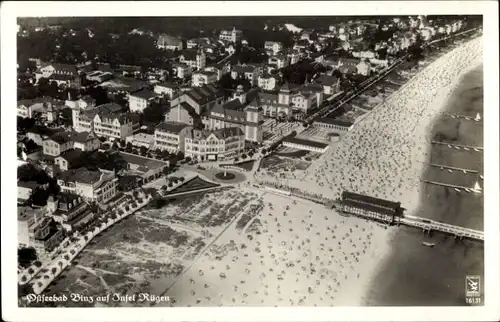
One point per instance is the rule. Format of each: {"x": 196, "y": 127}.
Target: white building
{"x": 94, "y": 186}
{"x": 231, "y": 35}
{"x": 338, "y": 125}
{"x": 195, "y": 59}
{"x": 108, "y": 120}
{"x": 218, "y": 144}
{"x": 203, "y": 78}
{"x": 166, "y": 89}
{"x": 141, "y": 139}
{"x": 184, "y": 71}
{"x": 170, "y": 136}
{"x": 169, "y": 42}
{"x": 279, "y": 61}
{"x": 246, "y": 71}
{"x": 273, "y": 47}
{"x": 306, "y": 145}
{"x": 139, "y": 100}
{"x": 267, "y": 82}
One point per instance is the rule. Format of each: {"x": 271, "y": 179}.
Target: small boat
{"x": 466, "y": 149}
{"x": 468, "y": 190}
{"x": 428, "y": 244}
{"x": 464, "y": 171}
{"x": 449, "y": 170}
{"x": 481, "y": 176}
{"x": 457, "y": 190}
{"x": 478, "y": 117}
{"x": 449, "y": 146}
{"x": 457, "y": 147}
{"x": 453, "y": 116}
{"x": 476, "y": 150}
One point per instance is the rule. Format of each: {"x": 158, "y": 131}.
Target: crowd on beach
{"x": 383, "y": 155}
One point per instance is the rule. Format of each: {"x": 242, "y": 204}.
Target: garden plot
{"x": 147, "y": 252}
{"x": 275, "y": 166}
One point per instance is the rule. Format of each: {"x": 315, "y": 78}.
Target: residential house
{"x": 279, "y": 61}
{"x": 69, "y": 159}
{"x": 273, "y": 47}
{"x": 220, "y": 144}
{"x": 367, "y": 54}
{"x": 86, "y": 141}
{"x": 147, "y": 169}
{"x": 195, "y": 59}
{"x": 25, "y": 189}
{"x": 94, "y": 186}
{"x": 81, "y": 103}
{"x": 330, "y": 84}
{"x": 26, "y": 217}
{"x": 183, "y": 71}
{"x": 249, "y": 72}
{"x": 218, "y": 69}
{"x": 231, "y": 35}
{"x": 46, "y": 107}
{"x": 166, "y": 89}
{"x": 301, "y": 45}
{"x": 40, "y": 133}
{"x": 58, "y": 143}
{"x": 364, "y": 68}
{"x": 230, "y": 49}
{"x": 69, "y": 210}
{"x": 170, "y": 136}
{"x": 139, "y": 100}
{"x": 203, "y": 78}
{"x": 43, "y": 233}
{"x": 141, "y": 139}
{"x": 267, "y": 82}
{"x": 58, "y": 73}
{"x": 108, "y": 120}
{"x": 169, "y": 42}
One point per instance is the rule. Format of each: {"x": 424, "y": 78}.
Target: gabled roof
{"x": 72, "y": 156}
{"x": 63, "y": 67}
{"x": 83, "y": 137}
{"x": 189, "y": 54}
{"x": 171, "y": 127}
{"x": 144, "y": 94}
{"x": 228, "y": 132}
{"x": 62, "y": 137}
{"x": 328, "y": 80}
{"x": 81, "y": 175}
{"x": 205, "y": 94}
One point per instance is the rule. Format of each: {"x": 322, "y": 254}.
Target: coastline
{"x": 381, "y": 278}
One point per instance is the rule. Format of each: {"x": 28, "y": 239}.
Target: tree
{"x": 250, "y": 154}
{"x": 170, "y": 185}
{"x": 236, "y": 159}
{"x": 143, "y": 150}
{"x": 28, "y": 172}
{"x": 25, "y": 256}
{"x": 181, "y": 179}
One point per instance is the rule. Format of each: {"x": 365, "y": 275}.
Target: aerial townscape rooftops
{"x": 249, "y": 160}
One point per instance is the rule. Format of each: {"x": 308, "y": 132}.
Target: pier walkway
{"x": 432, "y": 225}
{"x": 465, "y": 147}
{"x": 442, "y": 166}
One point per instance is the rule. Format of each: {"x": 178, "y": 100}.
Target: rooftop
{"x": 171, "y": 127}
{"x": 71, "y": 156}
{"x": 28, "y": 184}
{"x": 306, "y": 142}
{"x": 81, "y": 175}
{"x": 359, "y": 198}
{"x": 326, "y": 120}
{"x": 141, "y": 161}
{"x": 144, "y": 94}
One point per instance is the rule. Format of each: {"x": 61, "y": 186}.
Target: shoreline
{"x": 446, "y": 97}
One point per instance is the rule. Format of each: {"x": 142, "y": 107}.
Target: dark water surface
{"x": 413, "y": 274}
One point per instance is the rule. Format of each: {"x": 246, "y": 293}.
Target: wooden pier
{"x": 465, "y": 147}
{"x": 428, "y": 225}
{"x": 442, "y": 166}
{"x": 475, "y": 189}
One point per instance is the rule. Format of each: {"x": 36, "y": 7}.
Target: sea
{"x": 415, "y": 275}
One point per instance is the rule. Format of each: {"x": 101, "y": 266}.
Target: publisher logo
{"x": 472, "y": 286}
